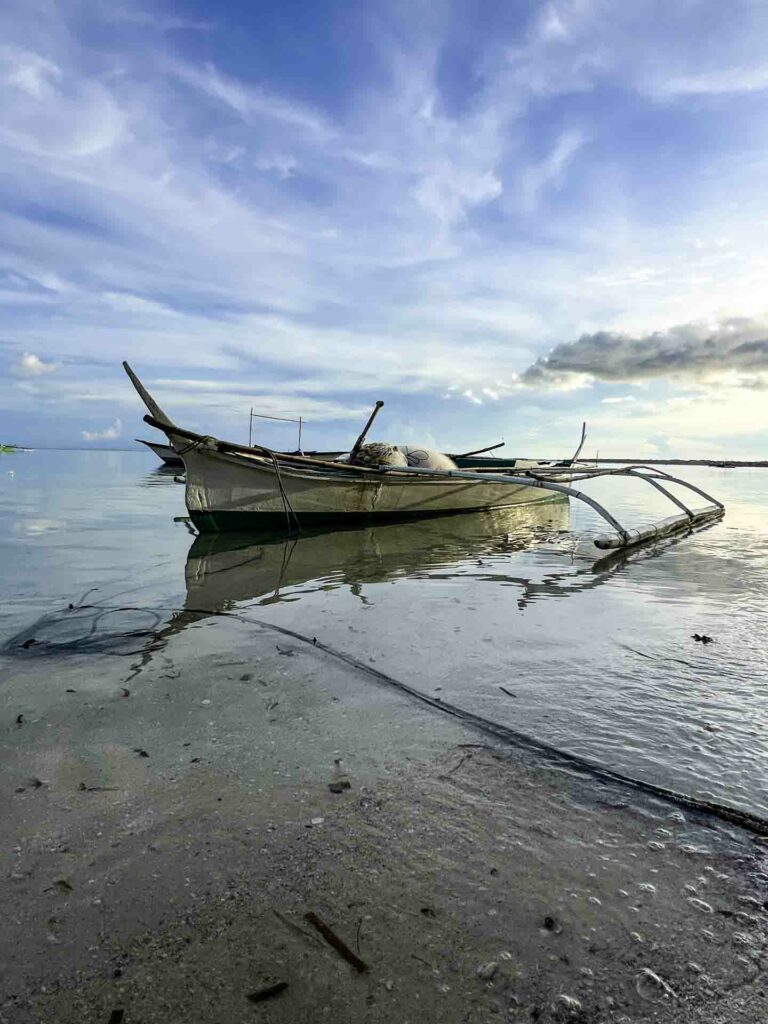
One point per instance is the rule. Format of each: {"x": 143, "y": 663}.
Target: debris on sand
{"x": 487, "y": 972}
{"x": 340, "y": 780}
{"x": 551, "y": 924}
{"x": 650, "y": 986}
{"x": 566, "y": 1006}
{"x": 269, "y": 992}
{"x": 338, "y": 944}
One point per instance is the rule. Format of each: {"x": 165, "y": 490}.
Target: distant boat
{"x": 164, "y": 452}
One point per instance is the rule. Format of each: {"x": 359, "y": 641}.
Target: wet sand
{"x": 169, "y": 821}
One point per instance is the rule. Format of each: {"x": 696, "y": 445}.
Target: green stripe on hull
{"x": 232, "y": 522}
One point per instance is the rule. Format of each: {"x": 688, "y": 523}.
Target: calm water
{"x": 598, "y": 655}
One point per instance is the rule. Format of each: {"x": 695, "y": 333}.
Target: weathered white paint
{"x": 222, "y": 482}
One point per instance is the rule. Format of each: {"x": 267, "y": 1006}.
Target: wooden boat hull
{"x": 235, "y": 492}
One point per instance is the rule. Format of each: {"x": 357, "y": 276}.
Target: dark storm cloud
{"x": 689, "y": 351}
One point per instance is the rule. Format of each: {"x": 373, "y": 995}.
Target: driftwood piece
{"x": 269, "y": 992}
{"x": 338, "y": 944}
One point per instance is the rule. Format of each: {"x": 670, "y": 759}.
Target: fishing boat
{"x": 234, "y": 487}
{"x": 164, "y": 452}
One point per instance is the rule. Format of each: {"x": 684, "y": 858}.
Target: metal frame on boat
{"x": 234, "y": 487}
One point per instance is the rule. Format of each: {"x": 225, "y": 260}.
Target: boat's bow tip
{"x": 147, "y": 399}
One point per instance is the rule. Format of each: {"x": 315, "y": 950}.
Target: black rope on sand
{"x": 751, "y": 822}
{"x": 744, "y": 819}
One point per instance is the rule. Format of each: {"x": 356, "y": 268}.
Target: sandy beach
{"x": 474, "y": 884}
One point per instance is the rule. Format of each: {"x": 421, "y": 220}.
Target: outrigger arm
{"x": 625, "y": 538}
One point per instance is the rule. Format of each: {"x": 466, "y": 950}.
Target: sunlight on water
{"x": 595, "y": 655}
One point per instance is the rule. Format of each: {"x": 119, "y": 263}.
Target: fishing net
{"x": 379, "y": 453}
{"x": 426, "y": 458}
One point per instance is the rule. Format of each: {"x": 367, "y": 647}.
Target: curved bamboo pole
{"x": 631, "y": 471}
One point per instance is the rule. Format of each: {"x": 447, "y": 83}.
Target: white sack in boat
{"x": 426, "y": 458}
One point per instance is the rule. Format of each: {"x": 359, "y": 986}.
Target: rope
{"x": 751, "y": 822}
{"x": 191, "y": 446}
{"x": 287, "y": 507}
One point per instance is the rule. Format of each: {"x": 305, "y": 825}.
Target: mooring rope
{"x": 752, "y": 822}
{"x": 746, "y": 820}
{"x": 287, "y": 507}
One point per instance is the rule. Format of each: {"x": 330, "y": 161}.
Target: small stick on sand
{"x": 338, "y": 944}
{"x": 268, "y": 993}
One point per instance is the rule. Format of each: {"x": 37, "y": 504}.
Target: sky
{"x": 502, "y": 218}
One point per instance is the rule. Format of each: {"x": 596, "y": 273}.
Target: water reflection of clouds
{"x": 36, "y": 527}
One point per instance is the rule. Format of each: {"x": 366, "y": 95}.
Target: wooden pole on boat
{"x": 577, "y": 453}
{"x": 481, "y": 451}
{"x": 360, "y": 441}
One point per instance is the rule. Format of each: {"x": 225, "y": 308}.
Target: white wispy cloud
{"x": 717, "y": 82}
{"x": 550, "y": 172}
{"x": 251, "y": 102}
{"x": 31, "y": 365}
{"x": 111, "y": 433}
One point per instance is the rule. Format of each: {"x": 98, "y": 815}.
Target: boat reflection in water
{"x": 224, "y": 570}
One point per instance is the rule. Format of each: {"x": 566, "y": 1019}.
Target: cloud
{"x": 551, "y": 171}
{"x": 691, "y": 351}
{"x": 250, "y": 102}
{"x": 109, "y": 434}
{"x": 716, "y": 83}
{"x": 31, "y": 365}
{"x": 284, "y": 166}
{"x": 51, "y": 114}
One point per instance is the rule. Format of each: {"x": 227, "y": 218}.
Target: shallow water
{"x": 596, "y": 654}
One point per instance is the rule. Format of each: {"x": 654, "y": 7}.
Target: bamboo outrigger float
{"x": 234, "y": 487}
